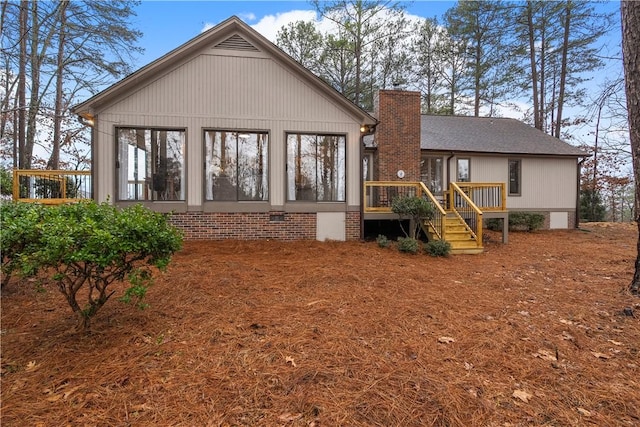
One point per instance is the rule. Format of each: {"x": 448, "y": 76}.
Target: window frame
{"x": 316, "y": 200}
{"x": 182, "y": 175}
{"x": 468, "y": 160}
{"x": 519, "y": 177}
{"x": 427, "y": 170}
{"x": 236, "y": 186}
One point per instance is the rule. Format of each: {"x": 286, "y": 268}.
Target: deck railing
{"x": 487, "y": 196}
{"x": 466, "y": 200}
{"x": 465, "y": 209}
{"x": 51, "y": 187}
{"x": 378, "y": 196}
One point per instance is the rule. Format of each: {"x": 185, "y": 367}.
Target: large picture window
{"x": 316, "y": 168}
{"x": 236, "y": 165}
{"x": 151, "y": 164}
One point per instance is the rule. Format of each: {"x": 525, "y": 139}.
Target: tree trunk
{"x": 534, "y": 70}
{"x": 22, "y": 82}
{"x": 630, "y": 11}
{"x": 563, "y": 69}
{"x": 476, "y": 77}
{"x": 54, "y": 160}
{"x": 34, "y": 98}
{"x": 542, "y": 104}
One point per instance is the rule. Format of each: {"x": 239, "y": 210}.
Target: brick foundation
{"x": 255, "y": 226}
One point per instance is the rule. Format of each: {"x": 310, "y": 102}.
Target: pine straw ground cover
{"x": 533, "y": 333}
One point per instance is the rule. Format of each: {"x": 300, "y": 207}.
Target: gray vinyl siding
{"x": 546, "y": 182}
{"x": 236, "y": 90}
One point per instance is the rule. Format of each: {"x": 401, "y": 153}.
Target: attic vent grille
{"x": 236, "y": 42}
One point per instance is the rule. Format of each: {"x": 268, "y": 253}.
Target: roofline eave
{"x": 230, "y": 25}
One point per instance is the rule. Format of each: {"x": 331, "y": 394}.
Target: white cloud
{"x": 207, "y": 26}
{"x": 247, "y": 16}
{"x": 269, "y": 25}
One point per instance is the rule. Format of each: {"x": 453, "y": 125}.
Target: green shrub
{"x": 409, "y": 245}
{"x": 525, "y": 221}
{"x": 382, "y": 241}
{"x": 518, "y": 221}
{"x": 6, "y": 182}
{"x": 493, "y": 224}
{"x": 416, "y": 209}
{"x": 19, "y": 225}
{"x": 438, "y": 248}
{"x": 86, "y": 247}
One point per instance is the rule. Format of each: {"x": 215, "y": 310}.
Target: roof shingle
{"x": 490, "y": 135}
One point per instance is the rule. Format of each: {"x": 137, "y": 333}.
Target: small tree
{"x": 86, "y": 247}
{"x": 591, "y": 206}
{"x": 415, "y": 209}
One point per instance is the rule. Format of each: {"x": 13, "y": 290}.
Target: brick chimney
{"x": 398, "y": 135}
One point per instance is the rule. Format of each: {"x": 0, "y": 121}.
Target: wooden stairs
{"x": 458, "y": 234}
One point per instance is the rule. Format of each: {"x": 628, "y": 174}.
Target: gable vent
{"x": 236, "y": 42}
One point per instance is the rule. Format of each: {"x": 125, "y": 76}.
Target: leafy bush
{"x": 493, "y": 224}
{"x": 6, "y": 182}
{"x": 527, "y": 221}
{"x": 19, "y": 224}
{"x": 416, "y": 209}
{"x": 88, "y": 246}
{"x": 409, "y": 245}
{"x": 518, "y": 221}
{"x": 382, "y": 241}
{"x": 438, "y": 248}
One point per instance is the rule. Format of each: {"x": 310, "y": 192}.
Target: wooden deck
{"x": 51, "y": 187}
{"x": 459, "y": 214}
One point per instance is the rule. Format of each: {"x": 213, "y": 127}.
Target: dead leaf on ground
{"x": 584, "y": 412}
{"x": 446, "y": 340}
{"x": 545, "y": 355}
{"x": 522, "y": 395}
{"x": 600, "y": 355}
{"x": 289, "y": 417}
{"x": 289, "y": 359}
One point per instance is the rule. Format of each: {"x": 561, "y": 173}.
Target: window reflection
{"x": 316, "y": 169}
{"x": 151, "y": 164}
{"x": 236, "y": 165}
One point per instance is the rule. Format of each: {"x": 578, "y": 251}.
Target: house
{"x": 541, "y": 173}
{"x": 235, "y": 139}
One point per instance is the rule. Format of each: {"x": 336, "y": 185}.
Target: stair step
{"x": 458, "y": 235}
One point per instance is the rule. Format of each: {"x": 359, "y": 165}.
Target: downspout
{"x": 445, "y": 191}
{"x": 579, "y": 169}
{"x": 451, "y": 156}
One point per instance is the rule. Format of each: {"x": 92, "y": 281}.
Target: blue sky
{"x": 168, "y": 24}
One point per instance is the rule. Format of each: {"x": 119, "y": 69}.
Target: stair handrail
{"x": 476, "y": 227}
{"x": 437, "y": 222}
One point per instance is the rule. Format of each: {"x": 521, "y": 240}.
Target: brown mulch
{"x": 263, "y": 333}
